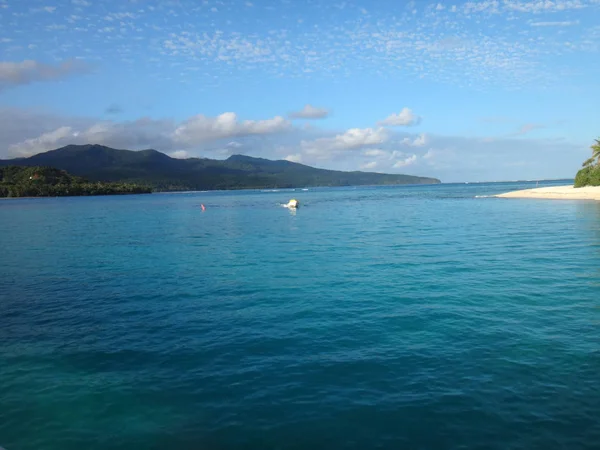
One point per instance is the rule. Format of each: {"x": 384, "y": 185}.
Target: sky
{"x": 463, "y": 91}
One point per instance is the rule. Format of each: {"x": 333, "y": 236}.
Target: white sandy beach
{"x": 557, "y": 193}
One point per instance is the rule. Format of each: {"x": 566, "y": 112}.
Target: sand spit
{"x": 557, "y": 193}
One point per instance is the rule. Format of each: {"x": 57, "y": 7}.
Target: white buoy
{"x": 293, "y": 203}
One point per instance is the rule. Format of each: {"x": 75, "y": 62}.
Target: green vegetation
{"x": 16, "y": 181}
{"x": 589, "y": 175}
{"x": 162, "y": 173}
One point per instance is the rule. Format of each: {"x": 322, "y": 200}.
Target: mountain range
{"x": 163, "y": 173}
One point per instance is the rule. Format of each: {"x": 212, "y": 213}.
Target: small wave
{"x": 484, "y": 196}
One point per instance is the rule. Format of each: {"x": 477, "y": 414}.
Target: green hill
{"x": 163, "y": 173}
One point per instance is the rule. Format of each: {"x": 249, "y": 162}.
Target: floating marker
{"x": 203, "y": 208}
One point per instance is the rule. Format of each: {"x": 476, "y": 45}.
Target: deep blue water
{"x": 415, "y": 317}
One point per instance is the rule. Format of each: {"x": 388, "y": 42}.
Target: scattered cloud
{"x": 48, "y": 9}
{"x": 297, "y": 158}
{"x": 405, "y": 162}
{"x": 309, "y": 112}
{"x": 46, "y": 141}
{"x": 486, "y": 6}
{"x": 369, "y": 166}
{"x": 201, "y": 128}
{"x": 179, "y": 154}
{"x": 442, "y": 42}
{"x": 419, "y": 141}
{"x": 403, "y": 119}
{"x": 29, "y": 71}
{"x": 388, "y": 159}
{"x": 567, "y": 23}
{"x": 119, "y": 16}
{"x": 541, "y": 6}
{"x": 375, "y": 152}
{"x": 354, "y": 138}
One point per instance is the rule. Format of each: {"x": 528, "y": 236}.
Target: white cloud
{"x": 119, "y": 16}
{"x": 404, "y": 118}
{"x": 81, "y": 2}
{"x": 179, "y": 154}
{"x": 375, "y": 152}
{"x": 419, "y": 141}
{"x": 309, "y": 112}
{"x": 297, "y": 158}
{"x": 434, "y": 45}
{"x": 354, "y": 138}
{"x": 539, "y": 6}
{"x": 405, "y": 162}
{"x": 201, "y": 128}
{"x": 45, "y": 141}
{"x": 555, "y": 24}
{"x": 29, "y": 71}
{"x": 488, "y": 6}
{"x": 48, "y": 9}
{"x": 369, "y": 166}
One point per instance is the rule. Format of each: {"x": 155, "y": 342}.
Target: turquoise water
{"x": 417, "y": 317}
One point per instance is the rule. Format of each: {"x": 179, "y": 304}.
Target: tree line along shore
{"x": 16, "y": 181}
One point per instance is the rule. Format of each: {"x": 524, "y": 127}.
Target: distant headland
{"x": 160, "y": 172}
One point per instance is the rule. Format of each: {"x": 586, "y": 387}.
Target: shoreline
{"x": 567, "y": 192}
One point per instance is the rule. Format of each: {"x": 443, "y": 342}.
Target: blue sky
{"x": 465, "y": 91}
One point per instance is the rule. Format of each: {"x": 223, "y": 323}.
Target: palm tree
{"x": 595, "y": 159}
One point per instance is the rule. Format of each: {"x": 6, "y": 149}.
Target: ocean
{"x": 408, "y": 317}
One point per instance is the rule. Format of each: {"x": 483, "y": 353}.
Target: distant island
{"x": 18, "y": 181}
{"x": 151, "y": 168}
